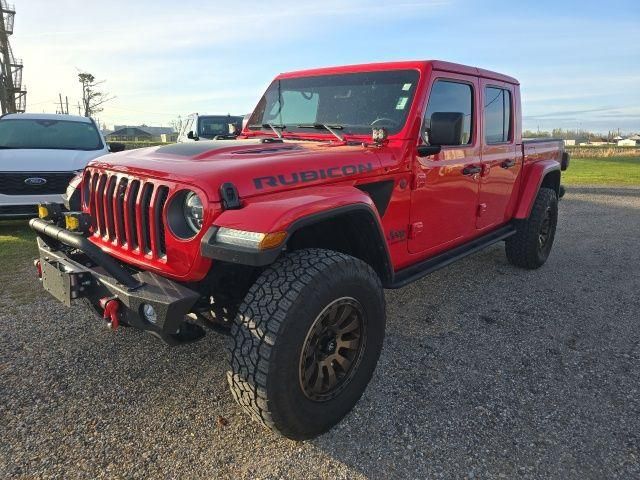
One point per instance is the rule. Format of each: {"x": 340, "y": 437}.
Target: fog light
{"x": 43, "y": 212}
{"x": 71, "y": 223}
{"x": 49, "y": 211}
{"x": 149, "y": 313}
{"x": 77, "y": 222}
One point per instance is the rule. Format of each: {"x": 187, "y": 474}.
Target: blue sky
{"x": 578, "y": 61}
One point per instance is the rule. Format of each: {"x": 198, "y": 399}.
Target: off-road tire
{"x": 524, "y": 249}
{"x": 272, "y": 326}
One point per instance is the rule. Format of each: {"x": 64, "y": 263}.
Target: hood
{"x": 252, "y": 166}
{"x": 45, "y": 160}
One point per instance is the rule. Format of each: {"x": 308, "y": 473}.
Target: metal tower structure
{"x": 13, "y": 95}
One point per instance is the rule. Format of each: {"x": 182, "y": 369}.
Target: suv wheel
{"x": 306, "y": 341}
{"x": 531, "y": 245}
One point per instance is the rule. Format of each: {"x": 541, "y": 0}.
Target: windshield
{"x": 210, "y": 126}
{"x": 50, "y": 134}
{"x": 352, "y": 102}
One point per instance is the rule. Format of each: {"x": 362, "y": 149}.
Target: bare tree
{"x": 176, "y": 124}
{"x": 92, "y": 98}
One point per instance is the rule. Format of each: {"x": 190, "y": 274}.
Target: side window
{"x": 449, "y": 97}
{"x": 497, "y": 115}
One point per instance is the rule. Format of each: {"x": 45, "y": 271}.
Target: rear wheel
{"x": 306, "y": 341}
{"x": 531, "y": 245}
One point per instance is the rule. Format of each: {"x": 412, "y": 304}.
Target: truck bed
{"x": 536, "y": 149}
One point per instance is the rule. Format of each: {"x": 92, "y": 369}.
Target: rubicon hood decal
{"x": 311, "y": 175}
{"x": 253, "y": 167}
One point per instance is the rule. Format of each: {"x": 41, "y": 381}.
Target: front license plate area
{"x": 56, "y": 281}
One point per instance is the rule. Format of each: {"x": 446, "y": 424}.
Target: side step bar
{"x": 422, "y": 269}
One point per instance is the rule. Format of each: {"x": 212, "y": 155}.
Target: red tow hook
{"x": 38, "y": 265}
{"x": 111, "y": 306}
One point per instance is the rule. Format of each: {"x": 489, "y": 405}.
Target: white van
{"x": 209, "y": 127}
{"x": 40, "y": 154}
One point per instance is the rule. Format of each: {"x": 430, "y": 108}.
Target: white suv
{"x": 40, "y": 154}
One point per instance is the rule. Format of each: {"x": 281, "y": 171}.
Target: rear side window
{"x": 451, "y": 97}
{"x": 497, "y": 115}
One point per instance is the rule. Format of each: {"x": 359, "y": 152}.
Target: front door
{"x": 501, "y": 163}
{"x": 444, "y": 197}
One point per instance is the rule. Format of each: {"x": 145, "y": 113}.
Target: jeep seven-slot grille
{"x": 127, "y": 212}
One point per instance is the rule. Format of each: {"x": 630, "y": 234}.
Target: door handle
{"x": 508, "y": 163}
{"x": 471, "y": 169}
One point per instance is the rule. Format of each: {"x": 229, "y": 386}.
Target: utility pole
{"x": 67, "y": 100}
{"x": 13, "y": 95}
{"x": 61, "y": 106}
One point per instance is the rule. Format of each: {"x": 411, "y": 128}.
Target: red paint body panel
{"x": 498, "y": 183}
{"x": 276, "y": 212}
{"x": 432, "y": 207}
{"x": 535, "y": 171}
{"x": 446, "y": 204}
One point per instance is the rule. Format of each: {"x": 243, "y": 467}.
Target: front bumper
{"x": 24, "y": 206}
{"x": 74, "y": 268}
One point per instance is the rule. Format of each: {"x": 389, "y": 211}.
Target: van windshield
{"x": 211, "y": 125}
{"x": 352, "y": 102}
{"x": 49, "y": 134}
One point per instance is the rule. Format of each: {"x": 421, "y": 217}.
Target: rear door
{"x": 444, "y": 197}
{"x": 500, "y": 158}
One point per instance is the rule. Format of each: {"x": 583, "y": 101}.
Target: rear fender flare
{"x": 534, "y": 179}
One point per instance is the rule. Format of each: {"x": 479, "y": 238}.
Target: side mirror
{"x": 116, "y": 147}
{"x": 428, "y": 150}
{"x": 446, "y": 128}
{"x": 191, "y": 135}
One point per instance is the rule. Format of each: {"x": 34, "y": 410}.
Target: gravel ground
{"x": 487, "y": 372}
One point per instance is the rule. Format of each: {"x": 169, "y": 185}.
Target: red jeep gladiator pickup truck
{"x": 345, "y": 181}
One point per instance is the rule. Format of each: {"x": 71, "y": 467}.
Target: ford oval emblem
{"x": 35, "y": 181}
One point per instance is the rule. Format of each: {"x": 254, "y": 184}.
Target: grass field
{"x": 17, "y": 249}
{"x": 603, "y": 171}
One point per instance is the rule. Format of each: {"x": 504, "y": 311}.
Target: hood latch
{"x": 229, "y": 196}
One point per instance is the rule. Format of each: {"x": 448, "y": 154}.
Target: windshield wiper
{"x": 323, "y": 126}
{"x": 275, "y": 128}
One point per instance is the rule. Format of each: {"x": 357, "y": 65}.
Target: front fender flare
{"x": 290, "y": 211}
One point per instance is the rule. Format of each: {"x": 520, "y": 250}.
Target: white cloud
{"x": 162, "y": 58}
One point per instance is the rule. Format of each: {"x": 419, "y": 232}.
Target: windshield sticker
{"x": 402, "y": 102}
{"x": 406, "y": 87}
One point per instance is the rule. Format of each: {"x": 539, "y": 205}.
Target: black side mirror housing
{"x": 191, "y": 135}
{"x": 446, "y": 128}
{"x": 428, "y": 150}
{"x": 116, "y": 147}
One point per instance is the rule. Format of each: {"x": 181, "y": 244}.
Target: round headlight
{"x": 193, "y": 211}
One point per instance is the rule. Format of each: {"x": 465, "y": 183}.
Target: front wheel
{"x": 531, "y": 245}
{"x": 306, "y": 341}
